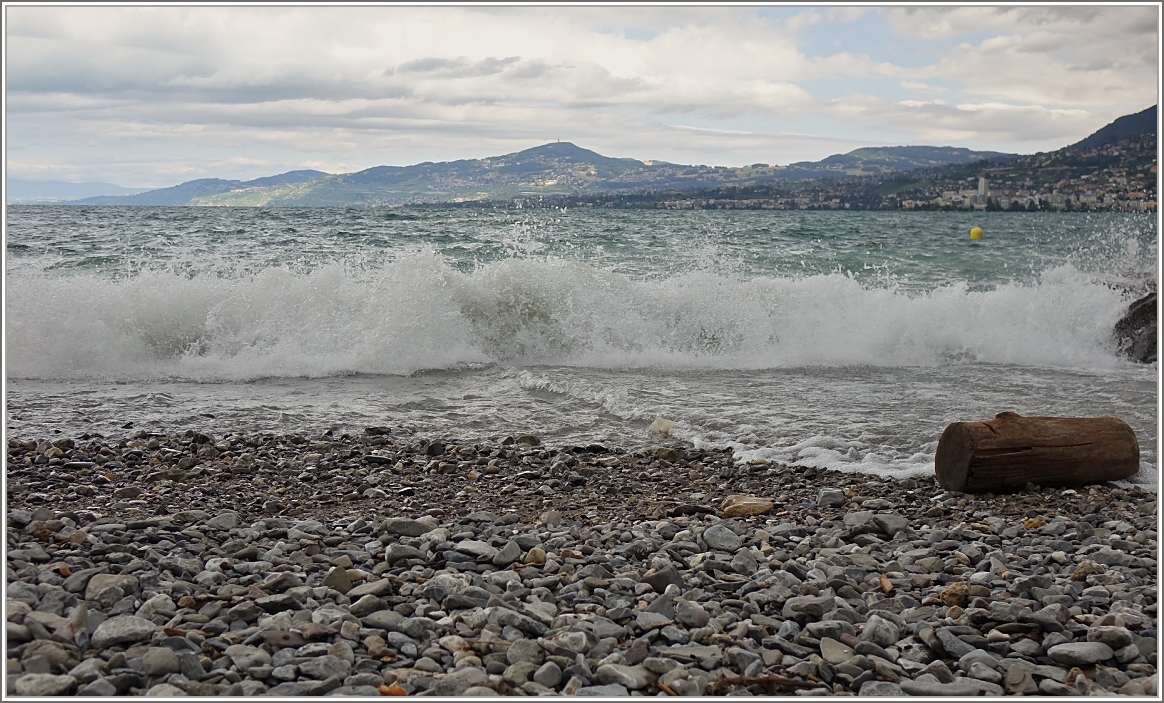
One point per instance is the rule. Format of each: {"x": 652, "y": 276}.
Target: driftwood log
{"x": 1011, "y": 450}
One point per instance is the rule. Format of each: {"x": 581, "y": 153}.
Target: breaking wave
{"x": 416, "y": 312}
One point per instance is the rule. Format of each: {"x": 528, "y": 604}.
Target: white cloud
{"x": 282, "y": 87}
{"x": 1101, "y": 56}
{"x": 918, "y": 85}
{"x": 989, "y": 125}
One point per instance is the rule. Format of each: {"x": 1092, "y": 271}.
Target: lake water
{"x": 844, "y": 340}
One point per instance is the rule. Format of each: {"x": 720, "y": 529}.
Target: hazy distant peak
{"x": 22, "y": 190}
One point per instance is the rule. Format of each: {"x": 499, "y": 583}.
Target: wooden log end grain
{"x": 1011, "y": 450}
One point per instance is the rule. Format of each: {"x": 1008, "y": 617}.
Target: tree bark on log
{"x": 1011, "y": 450}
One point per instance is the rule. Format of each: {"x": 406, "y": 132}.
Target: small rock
{"x": 632, "y": 678}
{"x": 660, "y": 578}
{"x": 324, "y": 667}
{"x": 223, "y": 521}
{"x": 1114, "y": 637}
{"x": 406, "y": 527}
{"x": 1086, "y": 568}
{"x": 960, "y": 687}
{"x": 476, "y": 548}
{"x": 691, "y": 614}
{"x": 830, "y": 498}
{"x": 246, "y": 656}
{"x": 880, "y": 631}
{"x": 536, "y": 556}
{"x": 835, "y": 652}
{"x": 337, "y": 578}
{"x": 44, "y": 685}
{"x": 99, "y": 582}
{"x": 122, "y": 629}
{"x": 720, "y": 538}
{"x": 456, "y": 682}
{"x": 159, "y": 661}
{"x": 744, "y": 506}
{"x": 611, "y": 690}
{"x": 508, "y": 554}
{"x": 1080, "y": 653}
{"x": 528, "y": 651}
{"x": 957, "y": 593}
{"x": 548, "y": 674}
{"x": 881, "y": 689}
{"x": 160, "y": 602}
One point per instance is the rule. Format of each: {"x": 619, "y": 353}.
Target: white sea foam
{"x": 416, "y": 313}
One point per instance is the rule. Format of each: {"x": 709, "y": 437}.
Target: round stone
{"x": 691, "y": 614}
{"x": 159, "y": 661}
{"x": 1080, "y": 653}
{"x": 721, "y": 538}
{"x": 122, "y": 629}
{"x": 880, "y": 631}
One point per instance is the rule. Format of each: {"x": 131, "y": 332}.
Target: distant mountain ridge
{"x": 565, "y": 169}
{"x": 557, "y": 168}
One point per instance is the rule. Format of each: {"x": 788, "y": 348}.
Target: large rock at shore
{"x": 1135, "y": 332}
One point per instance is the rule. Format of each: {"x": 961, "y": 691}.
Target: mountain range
{"x": 557, "y": 169}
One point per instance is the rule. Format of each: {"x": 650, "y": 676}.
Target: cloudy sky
{"x": 152, "y": 96}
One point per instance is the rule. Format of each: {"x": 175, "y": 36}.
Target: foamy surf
{"x": 418, "y": 313}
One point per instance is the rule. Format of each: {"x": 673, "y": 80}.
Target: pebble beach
{"x": 385, "y": 564}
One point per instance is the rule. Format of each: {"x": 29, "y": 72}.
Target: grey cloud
{"x": 1085, "y": 23}
{"x": 531, "y": 69}
{"x": 934, "y": 122}
{"x": 1054, "y": 15}
{"x": 200, "y": 90}
{"x": 1094, "y": 65}
{"x": 429, "y": 65}
{"x": 457, "y": 68}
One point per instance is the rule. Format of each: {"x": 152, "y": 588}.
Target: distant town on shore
{"x": 1114, "y": 169}
{"x": 1059, "y": 181}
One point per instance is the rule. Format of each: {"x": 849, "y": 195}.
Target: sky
{"x": 151, "y": 96}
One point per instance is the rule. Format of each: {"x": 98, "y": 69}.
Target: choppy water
{"x": 841, "y": 340}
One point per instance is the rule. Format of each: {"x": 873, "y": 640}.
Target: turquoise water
{"x": 846, "y": 340}
{"x": 912, "y": 251}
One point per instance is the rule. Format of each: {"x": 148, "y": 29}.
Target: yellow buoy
{"x": 976, "y": 233}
